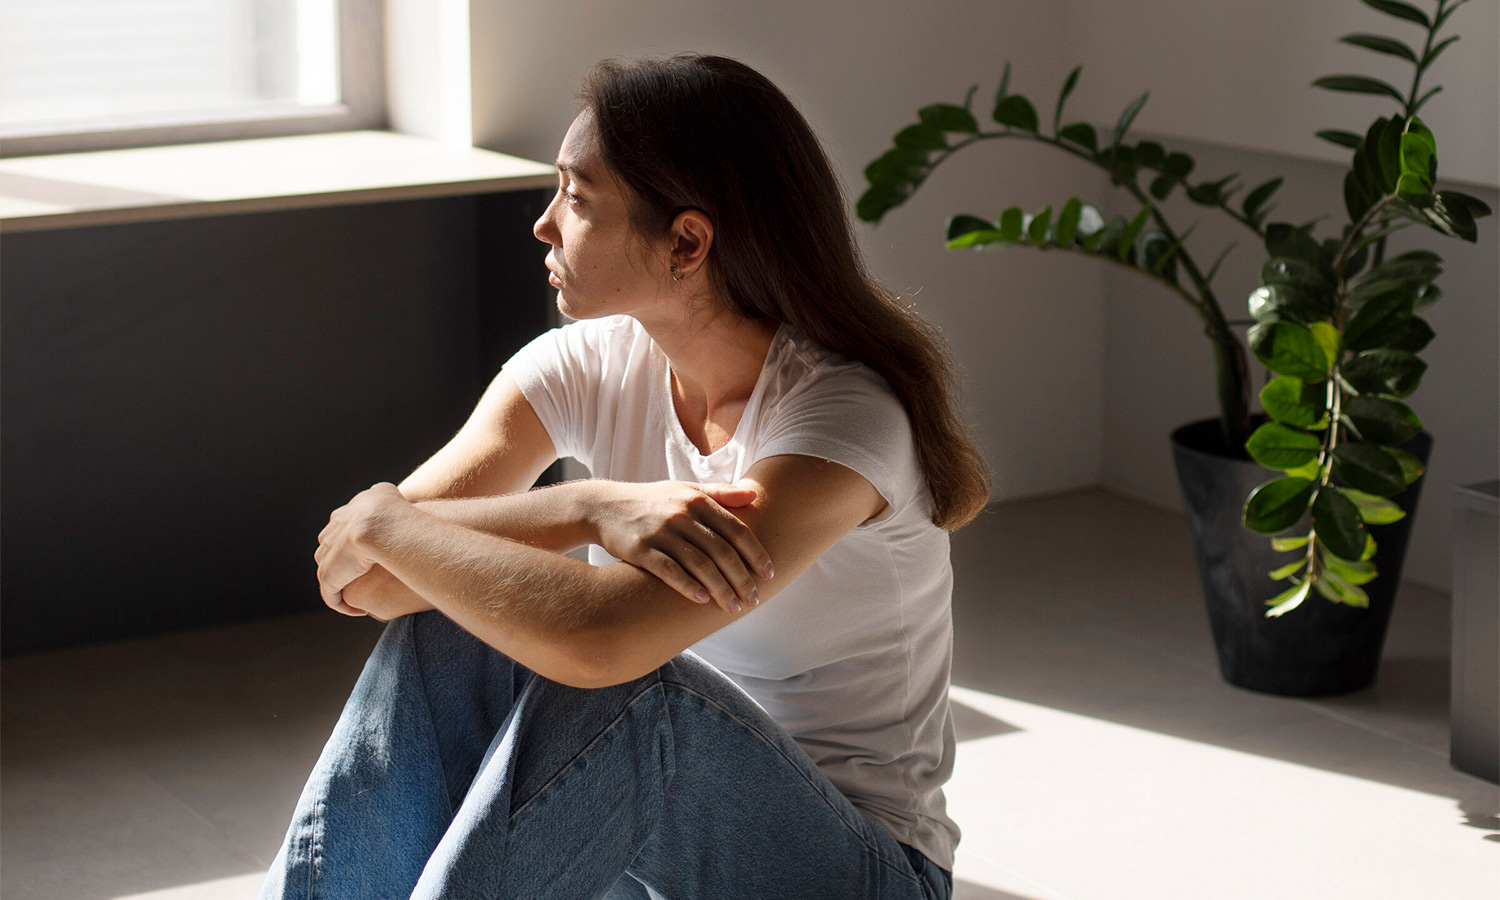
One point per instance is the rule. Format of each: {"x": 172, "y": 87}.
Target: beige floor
{"x": 1101, "y": 756}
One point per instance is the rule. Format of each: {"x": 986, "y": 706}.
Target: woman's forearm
{"x": 551, "y": 518}
{"x": 544, "y": 610}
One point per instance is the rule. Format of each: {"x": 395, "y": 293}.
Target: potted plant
{"x": 1334, "y": 321}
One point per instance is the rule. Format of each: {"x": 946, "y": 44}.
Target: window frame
{"x": 361, "y": 84}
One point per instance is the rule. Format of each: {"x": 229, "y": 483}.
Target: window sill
{"x": 39, "y": 193}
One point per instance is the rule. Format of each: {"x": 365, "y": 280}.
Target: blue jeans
{"x": 456, "y": 773}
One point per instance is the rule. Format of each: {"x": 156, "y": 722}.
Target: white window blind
{"x": 119, "y": 63}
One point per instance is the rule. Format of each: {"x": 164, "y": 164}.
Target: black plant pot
{"x": 1318, "y": 648}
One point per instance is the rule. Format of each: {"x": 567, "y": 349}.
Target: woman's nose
{"x": 544, "y": 229}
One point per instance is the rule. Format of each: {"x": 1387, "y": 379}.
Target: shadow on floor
{"x": 968, "y": 890}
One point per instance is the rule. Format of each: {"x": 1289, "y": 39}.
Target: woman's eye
{"x": 569, "y": 195}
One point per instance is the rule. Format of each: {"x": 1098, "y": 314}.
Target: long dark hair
{"x": 709, "y": 133}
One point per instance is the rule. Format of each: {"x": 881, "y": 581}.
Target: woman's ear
{"x": 692, "y": 236}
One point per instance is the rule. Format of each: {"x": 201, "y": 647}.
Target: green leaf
{"x": 1454, "y": 218}
{"x": 1127, "y": 117}
{"x": 1418, "y": 159}
{"x": 1161, "y": 186}
{"x": 1374, "y": 509}
{"x": 1276, "y": 446}
{"x": 1256, "y": 198}
{"x": 1293, "y": 242}
{"x": 1336, "y": 520}
{"x": 1177, "y": 165}
{"x": 947, "y": 117}
{"x": 1356, "y": 197}
{"x": 1284, "y": 301}
{"x": 1287, "y": 348}
{"x": 1062, "y": 98}
{"x": 1477, "y": 207}
{"x": 1288, "y": 570}
{"x": 1381, "y": 420}
{"x": 1385, "y": 371}
{"x": 1388, "y": 152}
{"x": 1277, "y": 504}
{"x": 962, "y": 225}
{"x": 921, "y": 137}
{"x": 1362, "y": 572}
{"x": 1011, "y": 221}
{"x": 1388, "y": 46}
{"x": 1036, "y": 232}
{"x": 975, "y": 239}
{"x": 1411, "y": 464}
{"x": 1433, "y": 53}
{"x": 879, "y": 199}
{"x": 1288, "y": 600}
{"x": 1339, "y": 590}
{"x": 1082, "y": 134}
{"x": 1368, "y": 468}
{"x": 897, "y": 165}
{"x": 1286, "y": 544}
{"x": 1414, "y": 336}
{"x": 1400, "y": 10}
{"x": 1312, "y": 471}
{"x": 1286, "y": 270}
{"x": 1016, "y": 111}
{"x": 1328, "y": 338}
{"x": 1067, "y": 222}
{"x": 1379, "y": 322}
{"x": 1342, "y": 138}
{"x": 1369, "y": 551}
{"x": 1133, "y": 231}
{"x": 1159, "y": 252}
{"x": 1150, "y": 154}
{"x": 1358, "y": 84}
{"x": 1004, "y": 84}
{"x": 1282, "y": 399}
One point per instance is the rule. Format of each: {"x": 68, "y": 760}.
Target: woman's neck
{"x": 716, "y": 359}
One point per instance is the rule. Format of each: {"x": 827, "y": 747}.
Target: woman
{"x": 777, "y": 465}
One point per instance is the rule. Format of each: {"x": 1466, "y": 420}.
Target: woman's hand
{"x": 341, "y": 559}
{"x": 683, "y": 534}
{"x": 382, "y": 596}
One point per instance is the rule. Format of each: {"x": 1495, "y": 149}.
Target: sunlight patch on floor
{"x": 238, "y": 887}
{"x": 1095, "y": 809}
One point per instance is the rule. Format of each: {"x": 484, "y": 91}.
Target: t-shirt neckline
{"x": 669, "y": 405}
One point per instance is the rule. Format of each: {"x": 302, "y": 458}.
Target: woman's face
{"x": 598, "y": 263}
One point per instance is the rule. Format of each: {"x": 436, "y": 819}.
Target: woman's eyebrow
{"x": 573, "y": 171}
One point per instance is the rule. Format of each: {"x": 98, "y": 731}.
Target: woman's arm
{"x": 566, "y": 620}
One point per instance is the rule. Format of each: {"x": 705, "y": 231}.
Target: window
{"x": 103, "y": 74}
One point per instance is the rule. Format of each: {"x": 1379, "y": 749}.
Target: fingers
{"x": 731, "y": 495}
{"x": 718, "y": 567}
{"x": 738, "y": 536}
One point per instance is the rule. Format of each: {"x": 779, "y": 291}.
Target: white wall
{"x": 1239, "y": 74}
{"x": 1027, "y": 330}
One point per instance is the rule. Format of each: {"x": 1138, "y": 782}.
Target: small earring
{"x": 676, "y": 275}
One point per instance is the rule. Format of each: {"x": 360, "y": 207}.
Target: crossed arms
{"x": 463, "y": 535}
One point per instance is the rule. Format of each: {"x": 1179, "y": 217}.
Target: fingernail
{"x": 770, "y": 570}
{"x": 701, "y": 596}
{"x": 754, "y": 597}
{"x": 735, "y": 606}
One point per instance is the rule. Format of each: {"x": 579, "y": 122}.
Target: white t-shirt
{"x": 852, "y": 658}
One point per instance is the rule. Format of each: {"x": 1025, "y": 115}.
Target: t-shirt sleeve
{"x": 849, "y": 416}
{"x": 559, "y": 373}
